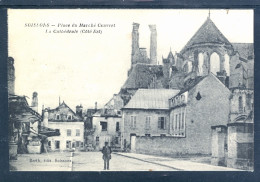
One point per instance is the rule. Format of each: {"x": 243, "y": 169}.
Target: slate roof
{"x": 151, "y": 99}
{"x": 207, "y": 33}
{"x": 245, "y": 50}
{"x": 142, "y": 75}
{"x": 76, "y": 116}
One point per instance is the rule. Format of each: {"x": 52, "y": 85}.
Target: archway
{"x": 200, "y": 63}
{"x": 226, "y": 64}
{"x": 214, "y": 63}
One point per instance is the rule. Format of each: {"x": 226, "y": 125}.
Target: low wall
{"x": 165, "y": 145}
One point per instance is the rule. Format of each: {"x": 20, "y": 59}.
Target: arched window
{"x": 200, "y": 63}
{"x": 214, "y": 63}
{"x": 240, "y": 104}
{"x": 226, "y": 64}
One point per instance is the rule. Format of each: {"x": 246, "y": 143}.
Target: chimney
{"x": 95, "y": 106}
{"x": 45, "y": 118}
{"x": 153, "y": 44}
{"x": 11, "y": 75}
{"x": 135, "y": 42}
{"x": 79, "y": 110}
{"x": 34, "y": 105}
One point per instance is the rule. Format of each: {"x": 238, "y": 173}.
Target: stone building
{"x": 70, "y": 126}
{"x": 147, "y": 114}
{"x": 168, "y": 121}
{"x": 106, "y": 124}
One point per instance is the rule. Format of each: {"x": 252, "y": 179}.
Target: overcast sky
{"x": 84, "y": 68}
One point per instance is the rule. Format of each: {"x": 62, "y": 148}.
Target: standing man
{"x": 106, "y": 155}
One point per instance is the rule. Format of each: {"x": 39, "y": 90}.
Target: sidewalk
{"x": 182, "y": 165}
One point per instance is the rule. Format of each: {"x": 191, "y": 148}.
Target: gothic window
{"x": 226, "y": 64}
{"x": 214, "y": 63}
{"x": 240, "y": 104}
{"x": 200, "y": 63}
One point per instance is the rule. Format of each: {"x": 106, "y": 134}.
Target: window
{"x": 182, "y": 121}
{"x": 68, "y": 144}
{"x": 116, "y": 140}
{"x": 119, "y": 112}
{"x": 97, "y": 139}
{"x": 77, "y": 144}
{"x": 147, "y": 135}
{"x": 82, "y": 145}
{"x": 162, "y": 123}
{"x": 176, "y": 119}
{"x": 69, "y": 117}
{"x": 179, "y": 121}
{"x": 57, "y": 117}
{"x": 57, "y": 144}
{"x": 133, "y": 121}
{"x": 240, "y": 104}
{"x": 77, "y": 132}
{"x": 68, "y": 132}
{"x": 73, "y": 145}
{"x": 49, "y": 143}
{"x": 147, "y": 122}
{"x": 103, "y": 125}
{"x": 117, "y": 126}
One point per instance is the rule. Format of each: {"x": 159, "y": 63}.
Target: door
{"x": 132, "y": 140}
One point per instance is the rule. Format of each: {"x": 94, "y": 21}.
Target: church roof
{"x": 207, "y": 33}
{"x": 245, "y": 50}
{"x": 151, "y": 99}
{"x": 142, "y": 75}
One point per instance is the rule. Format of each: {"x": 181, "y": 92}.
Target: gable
{"x": 207, "y": 33}
{"x": 65, "y": 114}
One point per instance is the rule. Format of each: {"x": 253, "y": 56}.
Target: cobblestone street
{"x": 92, "y": 161}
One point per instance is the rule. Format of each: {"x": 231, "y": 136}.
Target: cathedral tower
{"x": 135, "y": 43}
{"x": 153, "y": 44}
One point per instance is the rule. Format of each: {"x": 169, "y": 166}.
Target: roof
{"x": 63, "y": 104}
{"x": 245, "y": 50}
{"x": 191, "y": 84}
{"x": 151, "y": 99}
{"x": 19, "y": 108}
{"x": 142, "y": 75}
{"x": 207, "y": 33}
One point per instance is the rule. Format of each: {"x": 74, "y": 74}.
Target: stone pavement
{"x": 92, "y": 161}
{"x": 178, "y": 164}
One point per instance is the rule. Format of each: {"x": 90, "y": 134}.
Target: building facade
{"x": 106, "y": 124}
{"x": 70, "y": 126}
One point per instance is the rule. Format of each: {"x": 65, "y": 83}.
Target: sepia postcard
{"x": 131, "y": 89}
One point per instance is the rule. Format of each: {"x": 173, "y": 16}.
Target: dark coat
{"x": 106, "y": 151}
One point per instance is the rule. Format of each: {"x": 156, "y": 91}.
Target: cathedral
{"x": 207, "y": 51}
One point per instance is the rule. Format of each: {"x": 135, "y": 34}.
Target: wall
{"x": 240, "y": 145}
{"x": 211, "y": 110}
{"x": 63, "y": 126}
{"x": 105, "y": 135}
{"x": 140, "y": 129}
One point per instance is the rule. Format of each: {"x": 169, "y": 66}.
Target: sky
{"x": 85, "y": 68}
